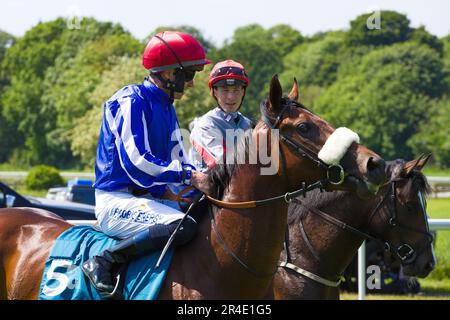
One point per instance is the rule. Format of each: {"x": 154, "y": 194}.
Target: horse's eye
{"x": 303, "y": 127}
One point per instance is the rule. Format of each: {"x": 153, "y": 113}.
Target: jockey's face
{"x": 229, "y": 98}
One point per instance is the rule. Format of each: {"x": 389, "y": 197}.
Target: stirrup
{"x": 116, "y": 294}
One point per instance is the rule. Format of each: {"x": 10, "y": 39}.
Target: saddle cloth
{"x": 63, "y": 278}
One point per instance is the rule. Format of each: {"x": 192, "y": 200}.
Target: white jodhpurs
{"x": 120, "y": 214}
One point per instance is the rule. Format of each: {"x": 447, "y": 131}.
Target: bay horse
{"x": 212, "y": 265}
{"x": 326, "y": 229}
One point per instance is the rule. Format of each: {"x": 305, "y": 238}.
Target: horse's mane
{"x": 220, "y": 175}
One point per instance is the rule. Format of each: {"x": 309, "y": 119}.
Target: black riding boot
{"x": 100, "y": 268}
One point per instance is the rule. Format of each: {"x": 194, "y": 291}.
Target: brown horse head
{"x": 405, "y": 214}
{"x": 305, "y": 137}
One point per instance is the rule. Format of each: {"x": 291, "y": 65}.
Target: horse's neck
{"x": 254, "y": 235}
{"x": 334, "y": 246}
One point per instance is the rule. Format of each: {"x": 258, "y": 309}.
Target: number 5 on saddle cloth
{"x": 64, "y": 280}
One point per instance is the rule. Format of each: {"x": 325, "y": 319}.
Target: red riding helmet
{"x": 226, "y": 71}
{"x": 158, "y": 56}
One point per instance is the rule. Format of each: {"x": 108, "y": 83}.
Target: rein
{"x": 404, "y": 252}
{"x": 288, "y": 197}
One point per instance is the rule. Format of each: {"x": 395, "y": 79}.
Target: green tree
{"x": 387, "y": 97}
{"x": 6, "y": 41}
{"x": 23, "y": 70}
{"x": 446, "y": 59}
{"x": 314, "y": 63}
{"x": 69, "y": 83}
{"x": 422, "y": 36}
{"x": 394, "y": 28}
{"x": 7, "y": 137}
{"x": 285, "y": 38}
{"x": 41, "y": 64}
{"x": 43, "y": 177}
{"x": 84, "y": 134}
{"x": 433, "y": 133}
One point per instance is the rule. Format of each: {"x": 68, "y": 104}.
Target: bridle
{"x": 335, "y": 172}
{"x": 405, "y": 252}
{"x": 335, "y": 175}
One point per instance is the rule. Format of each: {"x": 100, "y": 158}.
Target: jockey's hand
{"x": 202, "y": 182}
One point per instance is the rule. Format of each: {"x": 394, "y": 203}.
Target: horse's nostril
{"x": 375, "y": 164}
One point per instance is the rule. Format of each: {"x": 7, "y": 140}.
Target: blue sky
{"x": 218, "y": 19}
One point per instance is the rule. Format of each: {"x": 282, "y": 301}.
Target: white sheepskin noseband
{"x": 337, "y": 144}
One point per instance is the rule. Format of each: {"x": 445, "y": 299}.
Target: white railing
{"x": 435, "y": 225}
{"x": 439, "y": 185}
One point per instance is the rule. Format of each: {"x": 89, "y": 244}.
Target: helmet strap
{"x": 173, "y": 86}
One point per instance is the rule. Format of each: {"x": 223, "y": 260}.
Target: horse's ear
{"x": 275, "y": 94}
{"x": 417, "y": 164}
{"x": 293, "y": 95}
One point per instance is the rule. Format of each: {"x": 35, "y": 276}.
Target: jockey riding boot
{"x": 100, "y": 268}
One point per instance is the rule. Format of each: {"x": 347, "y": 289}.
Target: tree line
{"x": 391, "y": 85}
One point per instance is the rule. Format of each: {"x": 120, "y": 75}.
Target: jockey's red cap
{"x": 159, "y": 57}
{"x": 228, "y": 72}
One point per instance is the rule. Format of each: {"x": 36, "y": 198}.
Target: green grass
{"x": 10, "y": 167}
{"x": 438, "y": 208}
{"x": 432, "y": 171}
{"x": 435, "y": 287}
{"x": 28, "y": 192}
